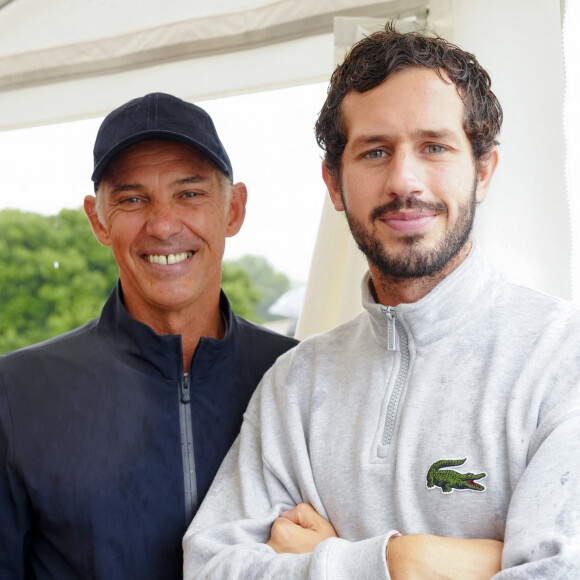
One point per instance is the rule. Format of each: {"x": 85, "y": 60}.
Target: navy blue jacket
{"x": 107, "y": 448}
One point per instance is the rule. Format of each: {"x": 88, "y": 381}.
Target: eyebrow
{"x": 369, "y": 140}
{"x": 123, "y": 187}
{"x": 422, "y": 134}
{"x": 437, "y": 134}
{"x": 191, "y": 179}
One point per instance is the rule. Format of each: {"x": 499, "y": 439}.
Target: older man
{"x": 110, "y": 435}
{"x": 450, "y": 409}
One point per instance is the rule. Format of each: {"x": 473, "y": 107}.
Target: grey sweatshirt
{"x": 457, "y": 415}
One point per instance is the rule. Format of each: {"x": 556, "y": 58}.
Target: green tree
{"x": 54, "y": 275}
{"x": 270, "y": 283}
{"x": 241, "y": 292}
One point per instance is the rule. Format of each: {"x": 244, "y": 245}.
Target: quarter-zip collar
{"x": 446, "y": 308}
{"x": 142, "y": 348}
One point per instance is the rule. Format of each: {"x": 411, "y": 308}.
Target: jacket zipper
{"x": 187, "y": 454}
{"x": 397, "y": 340}
{"x": 391, "y": 315}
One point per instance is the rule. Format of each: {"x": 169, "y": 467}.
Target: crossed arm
{"x": 238, "y": 533}
{"x": 301, "y": 529}
{"x": 233, "y": 534}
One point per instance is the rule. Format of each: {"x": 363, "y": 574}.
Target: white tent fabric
{"x": 56, "y": 58}
{"x": 194, "y": 34}
{"x": 572, "y": 133}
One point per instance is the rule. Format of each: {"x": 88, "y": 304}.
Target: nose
{"x": 404, "y": 174}
{"x": 163, "y": 220}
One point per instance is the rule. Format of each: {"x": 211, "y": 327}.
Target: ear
{"x": 485, "y": 172}
{"x": 333, "y": 188}
{"x": 99, "y": 229}
{"x": 237, "y": 209}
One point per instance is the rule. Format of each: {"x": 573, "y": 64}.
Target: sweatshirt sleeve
{"x": 542, "y": 536}
{"x": 227, "y": 538}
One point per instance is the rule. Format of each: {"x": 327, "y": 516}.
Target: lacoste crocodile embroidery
{"x": 448, "y": 479}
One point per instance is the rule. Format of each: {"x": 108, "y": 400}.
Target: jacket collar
{"x": 446, "y": 308}
{"x": 141, "y": 347}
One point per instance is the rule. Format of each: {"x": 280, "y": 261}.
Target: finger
{"x": 303, "y": 515}
{"x": 281, "y": 529}
{"x": 283, "y": 535}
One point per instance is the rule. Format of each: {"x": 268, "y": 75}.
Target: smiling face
{"x": 165, "y": 215}
{"x": 408, "y": 180}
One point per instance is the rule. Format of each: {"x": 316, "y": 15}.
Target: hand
{"x": 299, "y": 530}
{"x": 421, "y": 556}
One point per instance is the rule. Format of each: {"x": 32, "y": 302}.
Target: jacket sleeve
{"x": 266, "y": 472}
{"x": 542, "y": 535}
{"x": 14, "y": 504}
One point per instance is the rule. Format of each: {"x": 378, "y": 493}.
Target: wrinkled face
{"x": 409, "y": 183}
{"x": 165, "y": 216}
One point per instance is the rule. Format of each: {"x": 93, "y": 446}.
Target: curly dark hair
{"x": 371, "y": 60}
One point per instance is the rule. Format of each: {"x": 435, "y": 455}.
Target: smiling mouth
{"x": 408, "y": 223}
{"x": 167, "y": 259}
{"x": 408, "y": 209}
{"x": 407, "y": 216}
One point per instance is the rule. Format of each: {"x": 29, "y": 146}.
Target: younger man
{"x": 450, "y": 409}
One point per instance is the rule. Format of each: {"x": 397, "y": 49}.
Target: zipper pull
{"x": 185, "y": 392}
{"x": 391, "y": 327}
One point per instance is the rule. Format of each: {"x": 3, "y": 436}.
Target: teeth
{"x": 169, "y": 259}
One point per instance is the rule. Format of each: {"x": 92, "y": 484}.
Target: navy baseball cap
{"x": 158, "y": 116}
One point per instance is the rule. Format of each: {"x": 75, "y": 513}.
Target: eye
{"x": 435, "y": 149}
{"x": 192, "y": 195}
{"x": 375, "y": 154}
{"x": 130, "y": 200}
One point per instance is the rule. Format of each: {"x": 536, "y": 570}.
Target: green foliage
{"x": 269, "y": 283}
{"x": 241, "y": 292}
{"x": 54, "y": 275}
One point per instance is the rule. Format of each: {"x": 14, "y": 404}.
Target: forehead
{"x": 157, "y": 156}
{"x": 414, "y": 99}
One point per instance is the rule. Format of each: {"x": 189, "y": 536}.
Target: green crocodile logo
{"x": 448, "y": 480}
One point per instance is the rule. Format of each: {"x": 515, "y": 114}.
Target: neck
{"x": 390, "y": 291}
{"x": 215, "y": 328}
{"x": 192, "y": 323}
